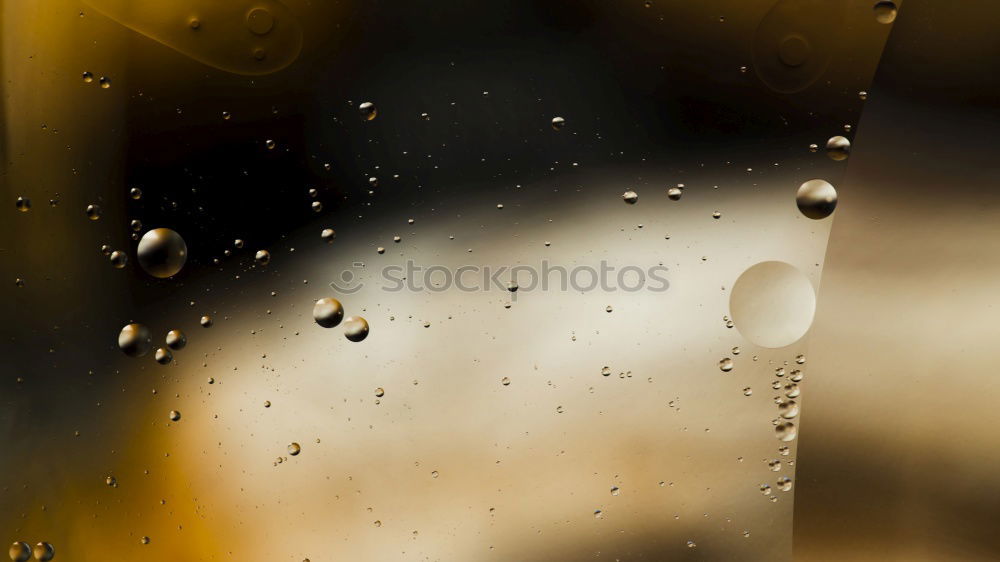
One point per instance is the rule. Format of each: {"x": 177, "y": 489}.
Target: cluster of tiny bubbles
{"x": 262, "y": 257}
{"x": 784, "y": 484}
{"x": 206, "y": 321}
{"x": 88, "y": 77}
{"x": 162, "y": 252}
{"x": 23, "y": 204}
{"x": 118, "y": 259}
{"x": 558, "y": 123}
{"x": 726, "y": 365}
{"x": 176, "y": 339}
{"x": 630, "y": 197}
{"x": 368, "y": 111}
{"x": 135, "y": 340}
{"x": 328, "y": 312}
{"x": 328, "y": 235}
{"x": 93, "y": 212}
{"x": 785, "y": 431}
{"x": 163, "y": 356}
{"x": 175, "y": 415}
{"x": 674, "y": 193}
{"x": 355, "y": 328}
{"x": 885, "y": 11}
{"x": 294, "y": 449}
{"x": 838, "y": 148}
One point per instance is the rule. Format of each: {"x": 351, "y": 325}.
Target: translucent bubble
{"x": 20, "y": 552}
{"x": 175, "y": 415}
{"x": 206, "y": 321}
{"x": 512, "y": 286}
{"x": 796, "y": 375}
{"x": 785, "y": 431}
{"x": 135, "y": 340}
{"x": 93, "y": 212}
{"x": 505, "y": 381}
{"x": 260, "y": 21}
{"x": 816, "y": 199}
{"x": 328, "y": 234}
{"x": 558, "y": 123}
{"x": 784, "y": 483}
{"x": 238, "y": 243}
{"x": 838, "y": 148}
{"x": 23, "y": 204}
{"x": 328, "y": 312}
{"x": 726, "y": 365}
{"x": 630, "y": 197}
{"x": 885, "y": 11}
{"x": 163, "y": 356}
{"x": 674, "y": 193}
{"x": 294, "y": 449}
{"x": 162, "y": 252}
{"x": 355, "y": 328}
{"x": 774, "y": 465}
{"x": 263, "y": 257}
{"x": 43, "y": 552}
{"x": 88, "y": 77}
{"x": 800, "y": 359}
{"x": 772, "y": 304}
{"x": 379, "y": 392}
{"x": 118, "y": 259}
{"x": 368, "y": 111}
{"x": 176, "y": 339}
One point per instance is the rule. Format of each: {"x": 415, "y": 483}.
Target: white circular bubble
{"x": 772, "y": 304}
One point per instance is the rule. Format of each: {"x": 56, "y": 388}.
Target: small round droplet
{"x": 505, "y": 381}
{"x": 606, "y": 371}
{"x": 747, "y": 391}
{"x": 162, "y": 252}
{"x": 355, "y": 328}
{"x": 316, "y": 206}
{"x": 692, "y": 544}
{"x": 885, "y": 11}
{"x": 163, "y": 356}
{"x": 368, "y": 111}
{"x": 816, "y": 199}
{"x": 93, "y": 212}
{"x": 135, "y": 193}
{"x": 118, "y": 259}
{"x": 813, "y": 147}
{"x": 379, "y": 392}
{"x": 838, "y": 148}
{"x": 136, "y": 225}
{"x": 20, "y": 552}
{"x": 88, "y": 77}
{"x": 630, "y": 197}
{"x": 105, "y": 82}
{"x": 263, "y": 257}
{"x": 175, "y": 415}
{"x": 380, "y": 250}
{"x": 862, "y": 95}
{"x": 238, "y": 243}
{"x": 294, "y": 449}
{"x": 784, "y": 484}
{"x": 328, "y": 235}
{"x": 558, "y": 123}
{"x": 726, "y": 365}
{"x": 512, "y": 286}
{"x": 206, "y": 321}
{"x": 176, "y": 339}
{"x": 785, "y": 431}
{"x": 615, "y": 490}
{"x": 674, "y": 193}
{"x": 765, "y": 489}
{"x": 716, "y": 215}
{"x": 328, "y": 312}
{"x": 788, "y": 409}
{"x": 144, "y": 540}
{"x": 270, "y": 144}
{"x": 135, "y": 340}
{"x": 23, "y": 204}
{"x": 43, "y": 552}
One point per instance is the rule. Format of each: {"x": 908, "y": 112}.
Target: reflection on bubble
{"x": 772, "y": 304}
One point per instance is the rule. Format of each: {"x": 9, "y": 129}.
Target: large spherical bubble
{"x": 817, "y": 199}
{"x": 328, "y": 312}
{"x": 135, "y": 340}
{"x": 355, "y": 328}
{"x": 20, "y": 552}
{"x": 162, "y": 252}
{"x": 838, "y": 148}
{"x": 772, "y": 304}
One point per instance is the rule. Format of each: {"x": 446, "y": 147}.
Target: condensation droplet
{"x": 505, "y": 381}
{"x": 784, "y": 483}
{"x": 379, "y": 392}
{"x": 23, "y": 204}
{"x": 20, "y": 552}
{"x": 674, "y": 193}
{"x": 328, "y": 235}
{"x": 206, "y": 321}
{"x": 88, "y": 77}
{"x": 816, "y": 199}
{"x": 105, "y": 82}
{"x": 43, "y": 552}
{"x": 785, "y": 431}
{"x": 93, "y": 212}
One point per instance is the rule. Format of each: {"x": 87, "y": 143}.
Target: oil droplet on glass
{"x": 765, "y": 489}
{"x": 144, "y": 540}
{"x": 615, "y": 490}
{"x": 263, "y": 257}
{"x": 316, "y": 206}
{"x": 163, "y": 356}
{"x": 692, "y": 544}
{"x": 294, "y": 449}
{"x": 162, "y": 252}
{"x": 93, "y": 212}
{"x": 558, "y": 123}
{"x": 726, "y": 365}
{"x": 630, "y": 197}
{"x": 176, "y": 339}
{"x": 355, "y": 328}
{"x": 118, "y": 259}
{"x": 269, "y": 144}
{"x": 44, "y": 552}
{"x": 885, "y": 11}
{"x": 606, "y": 371}
{"x": 175, "y": 415}
{"x": 816, "y": 199}
{"x": 368, "y": 111}
{"x": 328, "y": 312}
{"x": 838, "y": 148}
{"x": 135, "y": 340}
